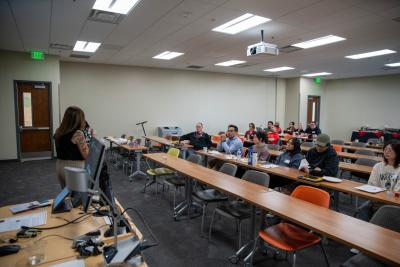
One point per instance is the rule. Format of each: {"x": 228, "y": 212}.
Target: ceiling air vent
{"x": 289, "y": 49}
{"x": 104, "y": 16}
{"x": 60, "y": 46}
{"x": 80, "y": 56}
{"x": 194, "y": 67}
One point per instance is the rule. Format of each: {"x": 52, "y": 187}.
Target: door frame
{"x": 15, "y": 82}
{"x": 318, "y": 110}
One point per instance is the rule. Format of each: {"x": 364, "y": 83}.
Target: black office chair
{"x": 365, "y": 162}
{"x": 308, "y": 144}
{"x": 365, "y": 152}
{"x": 179, "y": 181}
{"x": 211, "y": 195}
{"x": 359, "y": 144}
{"x": 239, "y": 210}
{"x": 387, "y": 217}
{"x": 337, "y": 142}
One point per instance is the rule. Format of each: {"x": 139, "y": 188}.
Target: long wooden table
{"x": 346, "y": 186}
{"x": 168, "y": 143}
{"x": 355, "y": 148}
{"x": 58, "y": 250}
{"x": 374, "y": 240}
{"x": 137, "y": 149}
{"x": 378, "y": 146}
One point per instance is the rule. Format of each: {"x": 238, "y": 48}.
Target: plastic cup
{"x": 205, "y": 149}
{"x": 36, "y": 252}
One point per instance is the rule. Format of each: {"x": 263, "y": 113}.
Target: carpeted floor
{"x": 180, "y": 241}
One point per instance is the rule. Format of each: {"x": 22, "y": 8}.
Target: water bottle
{"x": 239, "y": 154}
{"x": 250, "y": 156}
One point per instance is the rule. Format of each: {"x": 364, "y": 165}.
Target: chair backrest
{"x": 313, "y": 195}
{"x": 215, "y": 138}
{"x": 173, "y": 152}
{"x": 338, "y": 148}
{"x": 273, "y": 146}
{"x": 308, "y": 144}
{"x": 337, "y": 142}
{"x": 388, "y": 217}
{"x": 366, "y": 162}
{"x": 194, "y": 158}
{"x": 365, "y": 152}
{"x": 256, "y": 177}
{"x": 228, "y": 168}
{"x": 359, "y": 144}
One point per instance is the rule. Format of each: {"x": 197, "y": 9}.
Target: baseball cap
{"x": 323, "y": 140}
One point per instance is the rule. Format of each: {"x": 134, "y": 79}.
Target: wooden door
{"x": 33, "y": 120}
{"x": 313, "y": 107}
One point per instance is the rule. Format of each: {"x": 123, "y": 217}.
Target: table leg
{"x": 185, "y": 206}
{"x": 336, "y": 196}
{"x": 138, "y": 170}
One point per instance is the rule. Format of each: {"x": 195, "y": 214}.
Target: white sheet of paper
{"x": 73, "y": 263}
{"x": 303, "y": 164}
{"x": 269, "y": 166}
{"x": 30, "y": 220}
{"x": 370, "y": 188}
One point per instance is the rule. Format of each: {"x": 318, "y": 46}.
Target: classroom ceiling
{"x": 155, "y": 26}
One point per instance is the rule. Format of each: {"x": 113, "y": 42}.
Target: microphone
{"x": 143, "y": 122}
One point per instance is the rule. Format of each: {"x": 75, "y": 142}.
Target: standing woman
{"x": 71, "y": 146}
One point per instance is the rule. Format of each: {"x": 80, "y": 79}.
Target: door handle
{"x": 21, "y": 128}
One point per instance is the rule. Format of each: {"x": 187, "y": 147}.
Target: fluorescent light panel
{"x": 115, "y": 6}
{"x": 83, "y": 46}
{"x": 279, "y": 69}
{"x": 241, "y": 23}
{"x": 397, "y": 64}
{"x": 372, "y": 54}
{"x": 317, "y": 74}
{"x": 230, "y": 63}
{"x": 320, "y": 41}
{"x": 167, "y": 55}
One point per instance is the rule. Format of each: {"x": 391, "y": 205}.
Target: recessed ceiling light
{"x": 241, "y": 23}
{"x": 317, "y": 74}
{"x": 372, "y": 54}
{"x": 279, "y": 69}
{"x": 397, "y": 64}
{"x": 230, "y": 63}
{"x": 167, "y": 55}
{"x": 83, "y": 46}
{"x": 115, "y": 6}
{"x": 320, "y": 41}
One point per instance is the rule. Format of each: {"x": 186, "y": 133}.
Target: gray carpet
{"x": 180, "y": 242}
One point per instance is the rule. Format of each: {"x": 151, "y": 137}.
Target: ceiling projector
{"x": 262, "y": 48}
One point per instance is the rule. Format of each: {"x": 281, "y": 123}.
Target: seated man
{"x": 230, "y": 143}
{"x": 322, "y": 158}
{"x": 313, "y": 129}
{"x": 273, "y": 136}
{"x": 197, "y": 139}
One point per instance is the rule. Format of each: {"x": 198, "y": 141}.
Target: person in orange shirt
{"x": 273, "y": 136}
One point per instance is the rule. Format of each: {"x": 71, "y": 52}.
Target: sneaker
{"x": 354, "y": 251}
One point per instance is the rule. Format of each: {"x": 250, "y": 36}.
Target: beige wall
{"x": 351, "y": 103}
{"x": 19, "y": 66}
{"x": 292, "y": 101}
{"x": 114, "y": 98}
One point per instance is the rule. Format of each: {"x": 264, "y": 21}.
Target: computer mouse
{"x": 9, "y": 249}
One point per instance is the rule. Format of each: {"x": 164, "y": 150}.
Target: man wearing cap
{"x": 322, "y": 158}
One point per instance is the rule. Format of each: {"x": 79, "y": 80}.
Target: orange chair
{"x": 338, "y": 148}
{"x": 290, "y": 237}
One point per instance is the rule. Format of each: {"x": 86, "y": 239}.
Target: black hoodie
{"x": 327, "y": 161}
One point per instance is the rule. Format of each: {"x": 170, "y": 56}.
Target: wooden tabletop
{"x": 378, "y": 146}
{"x": 354, "y": 148}
{"x": 355, "y": 167}
{"x": 58, "y": 249}
{"x": 369, "y": 238}
{"x": 166, "y": 142}
{"x": 126, "y": 146}
{"x": 346, "y": 186}
{"x": 348, "y": 155}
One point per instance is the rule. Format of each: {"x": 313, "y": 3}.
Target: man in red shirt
{"x": 273, "y": 136}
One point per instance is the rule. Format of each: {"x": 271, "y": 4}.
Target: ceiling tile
{"x": 8, "y": 30}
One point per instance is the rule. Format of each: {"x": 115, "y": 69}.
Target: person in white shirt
{"x": 385, "y": 174}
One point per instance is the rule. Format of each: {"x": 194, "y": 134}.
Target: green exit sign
{"x": 37, "y": 55}
{"x": 317, "y": 80}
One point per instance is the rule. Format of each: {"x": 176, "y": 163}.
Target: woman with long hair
{"x": 292, "y": 156}
{"x": 71, "y": 146}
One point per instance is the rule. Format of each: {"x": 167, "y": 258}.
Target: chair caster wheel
{"x": 234, "y": 259}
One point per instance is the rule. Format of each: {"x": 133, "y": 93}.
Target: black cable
{"x": 147, "y": 227}
{"x": 58, "y": 226}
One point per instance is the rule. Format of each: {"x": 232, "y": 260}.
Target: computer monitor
{"x": 93, "y": 166}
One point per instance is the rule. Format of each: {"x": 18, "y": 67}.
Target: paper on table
{"x": 30, "y": 220}
{"x": 370, "y": 188}
{"x": 214, "y": 152}
{"x": 303, "y": 164}
{"x": 28, "y": 206}
{"x": 269, "y": 166}
{"x": 73, "y": 263}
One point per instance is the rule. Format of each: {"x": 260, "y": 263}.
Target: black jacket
{"x": 327, "y": 161}
{"x": 316, "y": 130}
{"x": 198, "y": 142}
